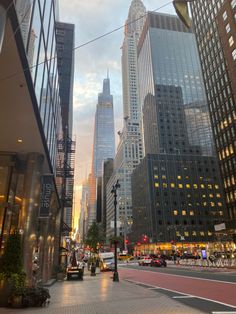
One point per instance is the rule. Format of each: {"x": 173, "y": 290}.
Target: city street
{"x": 143, "y": 290}
{"x": 100, "y": 295}
{"x": 207, "y": 290}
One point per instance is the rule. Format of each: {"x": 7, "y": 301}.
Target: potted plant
{"x": 12, "y": 276}
{"x": 18, "y": 288}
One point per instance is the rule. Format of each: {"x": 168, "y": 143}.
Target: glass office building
{"x": 176, "y": 189}
{"x": 30, "y": 125}
{"x": 104, "y": 131}
{"x": 37, "y": 22}
{"x": 169, "y": 56}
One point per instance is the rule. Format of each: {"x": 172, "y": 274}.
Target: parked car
{"x": 158, "y": 262}
{"x": 145, "y": 261}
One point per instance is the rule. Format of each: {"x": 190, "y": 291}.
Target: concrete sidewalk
{"x": 100, "y": 295}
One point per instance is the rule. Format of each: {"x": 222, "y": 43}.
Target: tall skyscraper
{"x": 214, "y": 25}
{"x": 103, "y": 147}
{"x": 104, "y": 130}
{"x": 176, "y": 189}
{"x": 130, "y": 148}
{"x": 29, "y": 198}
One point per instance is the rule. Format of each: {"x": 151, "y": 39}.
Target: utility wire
{"x": 84, "y": 44}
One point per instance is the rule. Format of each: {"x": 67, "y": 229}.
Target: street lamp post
{"x": 114, "y": 191}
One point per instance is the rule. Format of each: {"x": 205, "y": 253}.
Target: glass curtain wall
{"x": 37, "y": 18}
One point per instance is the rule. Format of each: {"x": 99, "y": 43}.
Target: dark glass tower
{"x": 176, "y": 189}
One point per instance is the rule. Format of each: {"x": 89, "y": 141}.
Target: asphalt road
{"x": 211, "y": 291}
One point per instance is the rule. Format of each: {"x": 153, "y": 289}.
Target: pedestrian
{"x": 35, "y": 271}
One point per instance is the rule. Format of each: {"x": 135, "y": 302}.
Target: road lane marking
{"x": 214, "y": 280}
{"x": 183, "y": 296}
{"x": 198, "y": 297}
{"x": 223, "y": 312}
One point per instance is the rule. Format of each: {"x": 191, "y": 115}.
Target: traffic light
{"x": 181, "y": 8}
{"x": 126, "y": 241}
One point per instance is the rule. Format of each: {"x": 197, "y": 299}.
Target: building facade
{"x": 176, "y": 189}
{"x": 130, "y": 147}
{"x": 104, "y": 130}
{"x": 29, "y": 148}
{"x": 108, "y": 168}
{"x": 175, "y": 201}
{"x": 65, "y": 166}
{"x": 103, "y": 148}
{"x": 214, "y": 25}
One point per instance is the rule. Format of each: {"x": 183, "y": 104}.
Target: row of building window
{"x": 191, "y": 213}
{"x": 187, "y": 185}
{"x": 194, "y": 233}
{"x": 226, "y": 152}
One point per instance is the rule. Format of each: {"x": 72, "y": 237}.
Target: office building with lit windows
{"x": 176, "y": 189}
{"x": 215, "y": 29}
{"x": 30, "y": 123}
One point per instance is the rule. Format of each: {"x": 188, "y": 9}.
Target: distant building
{"x": 104, "y": 130}
{"x": 108, "y": 168}
{"x": 130, "y": 147}
{"x": 103, "y": 148}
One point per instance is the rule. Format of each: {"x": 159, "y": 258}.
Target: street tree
{"x": 95, "y": 237}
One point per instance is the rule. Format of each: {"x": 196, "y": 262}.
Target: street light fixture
{"x": 114, "y": 191}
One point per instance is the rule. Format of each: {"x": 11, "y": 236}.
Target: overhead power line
{"x": 84, "y": 44}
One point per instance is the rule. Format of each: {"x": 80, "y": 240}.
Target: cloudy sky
{"x": 93, "y": 18}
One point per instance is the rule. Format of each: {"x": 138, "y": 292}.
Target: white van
{"x": 107, "y": 261}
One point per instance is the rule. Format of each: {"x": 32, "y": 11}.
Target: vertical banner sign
{"x": 46, "y": 195}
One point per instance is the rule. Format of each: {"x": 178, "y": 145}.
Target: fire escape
{"x": 65, "y": 173}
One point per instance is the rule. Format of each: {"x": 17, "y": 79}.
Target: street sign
{"x": 220, "y": 227}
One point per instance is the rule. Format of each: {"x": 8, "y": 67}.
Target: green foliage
{"x": 18, "y": 282}
{"x": 11, "y": 261}
{"x": 94, "y": 236}
{"x": 11, "y": 264}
